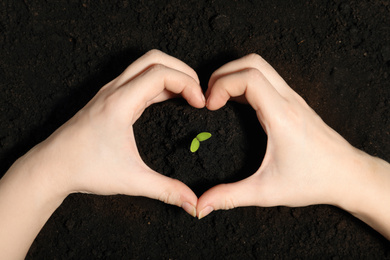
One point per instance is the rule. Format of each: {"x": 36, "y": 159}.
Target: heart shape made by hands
{"x": 235, "y": 151}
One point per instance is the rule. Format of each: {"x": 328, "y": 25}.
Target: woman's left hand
{"x": 95, "y": 151}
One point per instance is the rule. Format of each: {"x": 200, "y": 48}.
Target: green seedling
{"x": 199, "y": 138}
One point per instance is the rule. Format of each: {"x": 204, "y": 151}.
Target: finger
{"x": 171, "y": 191}
{"x": 257, "y": 62}
{"x": 157, "y": 84}
{"x": 252, "y": 84}
{"x": 228, "y": 196}
{"x": 151, "y": 58}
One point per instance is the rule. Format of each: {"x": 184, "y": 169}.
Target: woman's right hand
{"x": 306, "y": 162}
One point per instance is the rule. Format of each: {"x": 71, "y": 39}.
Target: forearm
{"x": 370, "y": 196}
{"x": 28, "y": 197}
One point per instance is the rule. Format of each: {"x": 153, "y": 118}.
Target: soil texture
{"x": 55, "y": 55}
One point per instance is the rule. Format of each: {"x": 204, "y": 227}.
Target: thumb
{"x": 171, "y": 191}
{"x": 229, "y": 196}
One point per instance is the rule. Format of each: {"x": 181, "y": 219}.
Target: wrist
{"x": 351, "y": 180}
{"x": 366, "y": 192}
{"x": 29, "y": 195}
{"x": 37, "y": 171}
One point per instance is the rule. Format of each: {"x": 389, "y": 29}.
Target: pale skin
{"x": 95, "y": 152}
{"x": 306, "y": 162}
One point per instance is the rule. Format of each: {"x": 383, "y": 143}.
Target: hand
{"x": 96, "y": 151}
{"x": 306, "y": 162}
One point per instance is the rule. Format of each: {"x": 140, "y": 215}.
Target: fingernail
{"x": 189, "y": 209}
{"x": 203, "y": 99}
{"x": 204, "y": 212}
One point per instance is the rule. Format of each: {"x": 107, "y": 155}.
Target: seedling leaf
{"x": 203, "y": 136}
{"x": 195, "y": 145}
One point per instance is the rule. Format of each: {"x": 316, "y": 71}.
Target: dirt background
{"x": 336, "y": 54}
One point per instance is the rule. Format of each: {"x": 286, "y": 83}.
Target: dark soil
{"x": 336, "y": 54}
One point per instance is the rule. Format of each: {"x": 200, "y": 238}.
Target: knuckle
{"x": 155, "y": 68}
{"x": 154, "y": 56}
{"x": 293, "y": 113}
{"x": 110, "y": 105}
{"x": 254, "y": 58}
{"x": 171, "y": 194}
{"x": 103, "y": 110}
{"x": 165, "y": 197}
{"x": 220, "y": 83}
{"x": 254, "y": 73}
{"x": 229, "y": 203}
{"x": 154, "y": 53}
{"x": 290, "y": 118}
